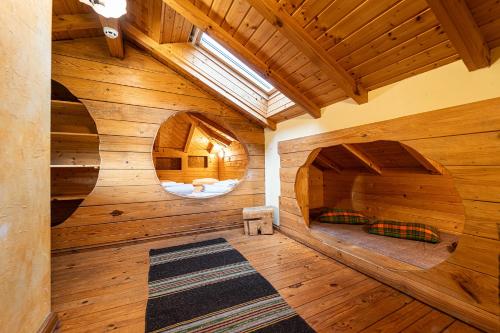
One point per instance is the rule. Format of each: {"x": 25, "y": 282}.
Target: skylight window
{"x": 222, "y": 53}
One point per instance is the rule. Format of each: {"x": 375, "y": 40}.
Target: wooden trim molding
{"x": 50, "y": 325}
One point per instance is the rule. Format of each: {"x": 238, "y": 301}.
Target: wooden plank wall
{"x": 234, "y": 162}
{"x": 466, "y": 141}
{"x": 401, "y": 196}
{"x": 128, "y": 100}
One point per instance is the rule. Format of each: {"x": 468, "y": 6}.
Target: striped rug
{"x": 210, "y": 287}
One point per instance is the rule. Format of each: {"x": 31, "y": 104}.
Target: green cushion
{"x": 406, "y": 230}
{"x": 342, "y": 216}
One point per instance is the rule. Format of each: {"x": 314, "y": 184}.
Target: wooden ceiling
{"x": 375, "y": 157}
{"x": 317, "y": 52}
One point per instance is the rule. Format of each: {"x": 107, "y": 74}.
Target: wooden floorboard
{"x": 104, "y": 290}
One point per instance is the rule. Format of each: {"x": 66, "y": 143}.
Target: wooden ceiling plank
{"x": 363, "y": 158}
{"x": 164, "y": 54}
{"x": 115, "y": 45}
{"x": 423, "y": 58}
{"x": 416, "y": 45}
{"x": 325, "y": 161}
{"x": 386, "y": 42}
{"x": 292, "y": 30}
{"x": 428, "y": 164}
{"x": 463, "y": 32}
{"x": 63, "y": 23}
{"x": 206, "y": 24}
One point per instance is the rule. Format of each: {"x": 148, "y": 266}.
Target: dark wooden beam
{"x": 292, "y": 30}
{"x": 431, "y": 166}
{"x": 363, "y": 158}
{"x": 197, "y": 17}
{"x": 213, "y": 124}
{"x": 462, "y": 30}
{"x": 326, "y": 162}
{"x": 115, "y": 45}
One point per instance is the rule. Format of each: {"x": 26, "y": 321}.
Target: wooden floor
{"x": 106, "y": 289}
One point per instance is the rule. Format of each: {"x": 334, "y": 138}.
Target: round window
{"x": 196, "y": 157}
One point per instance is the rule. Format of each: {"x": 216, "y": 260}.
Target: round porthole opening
{"x": 196, "y": 157}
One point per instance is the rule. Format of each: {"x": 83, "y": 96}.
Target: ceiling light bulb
{"x": 108, "y": 8}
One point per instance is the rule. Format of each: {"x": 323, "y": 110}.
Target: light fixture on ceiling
{"x": 108, "y": 8}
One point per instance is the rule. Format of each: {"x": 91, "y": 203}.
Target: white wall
{"x": 25, "y": 42}
{"x": 443, "y": 87}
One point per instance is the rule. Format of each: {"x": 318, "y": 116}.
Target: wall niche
{"x": 385, "y": 180}
{"x": 75, "y": 159}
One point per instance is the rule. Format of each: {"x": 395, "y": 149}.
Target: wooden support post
{"x": 115, "y": 45}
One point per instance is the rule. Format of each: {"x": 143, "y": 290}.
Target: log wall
{"x": 129, "y": 99}
{"x": 466, "y": 141}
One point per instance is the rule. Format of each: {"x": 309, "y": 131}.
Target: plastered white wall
{"x": 443, "y": 87}
{"x": 25, "y": 42}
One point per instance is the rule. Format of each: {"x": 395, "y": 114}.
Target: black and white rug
{"x": 210, "y": 287}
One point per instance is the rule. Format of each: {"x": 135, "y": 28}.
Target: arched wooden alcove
{"x": 385, "y": 180}
{"x": 465, "y": 284}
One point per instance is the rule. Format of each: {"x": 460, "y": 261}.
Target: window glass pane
{"x": 226, "y": 56}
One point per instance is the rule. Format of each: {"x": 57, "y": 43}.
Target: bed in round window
{"x": 195, "y": 157}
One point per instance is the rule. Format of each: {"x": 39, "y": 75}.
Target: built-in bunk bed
{"x": 382, "y": 180}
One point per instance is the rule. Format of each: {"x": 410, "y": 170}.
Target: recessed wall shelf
{"x": 75, "y": 156}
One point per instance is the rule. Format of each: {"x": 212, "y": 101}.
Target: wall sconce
{"x": 108, "y": 8}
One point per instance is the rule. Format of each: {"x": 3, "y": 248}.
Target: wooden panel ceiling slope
{"x": 316, "y": 52}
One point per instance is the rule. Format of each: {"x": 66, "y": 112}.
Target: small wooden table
{"x": 258, "y": 220}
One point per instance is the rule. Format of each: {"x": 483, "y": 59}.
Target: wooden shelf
{"x": 66, "y": 104}
{"x": 92, "y": 135}
{"x": 68, "y": 197}
{"x": 88, "y": 166}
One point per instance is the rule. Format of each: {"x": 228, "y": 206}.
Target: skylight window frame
{"x": 213, "y": 47}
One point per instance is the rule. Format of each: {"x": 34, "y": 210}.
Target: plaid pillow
{"x": 343, "y": 216}
{"x": 406, "y": 230}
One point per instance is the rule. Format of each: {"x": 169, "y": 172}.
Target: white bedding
{"x": 208, "y": 190}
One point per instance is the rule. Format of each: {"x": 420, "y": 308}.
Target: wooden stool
{"x": 258, "y": 220}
